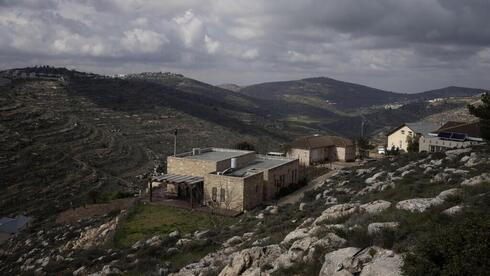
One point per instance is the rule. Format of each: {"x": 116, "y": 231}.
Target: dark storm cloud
{"x": 396, "y": 44}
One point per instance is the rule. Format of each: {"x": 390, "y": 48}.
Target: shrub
{"x": 462, "y": 248}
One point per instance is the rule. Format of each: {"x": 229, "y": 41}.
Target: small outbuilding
{"x": 320, "y": 149}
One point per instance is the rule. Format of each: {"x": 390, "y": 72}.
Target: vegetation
{"x": 364, "y": 146}
{"x": 154, "y": 219}
{"x": 483, "y": 112}
{"x": 413, "y": 143}
{"x": 459, "y": 248}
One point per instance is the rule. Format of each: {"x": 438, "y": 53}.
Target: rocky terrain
{"x": 362, "y": 221}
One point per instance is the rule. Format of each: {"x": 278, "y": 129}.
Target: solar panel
{"x": 444, "y": 135}
{"x": 458, "y": 136}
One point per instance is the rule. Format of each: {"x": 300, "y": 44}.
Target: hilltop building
{"x": 451, "y": 135}
{"x": 227, "y": 179}
{"x": 320, "y": 149}
{"x": 398, "y": 137}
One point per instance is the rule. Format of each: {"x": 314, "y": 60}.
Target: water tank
{"x": 196, "y": 151}
{"x": 233, "y": 163}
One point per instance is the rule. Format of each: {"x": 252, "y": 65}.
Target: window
{"x": 222, "y": 195}
{"x": 403, "y": 131}
{"x": 410, "y": 133}
{"x": 214, "y": 195}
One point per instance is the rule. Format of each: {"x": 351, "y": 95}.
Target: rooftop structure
{"x": 452, "y": 135}
{"x": 260, "y": 164}
{"x": 213, "y": 154}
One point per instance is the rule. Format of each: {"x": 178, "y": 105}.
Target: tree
{"x": 364, "y": 146}
{"x": 413, "y": 143}
{"x": 483, "y": 112}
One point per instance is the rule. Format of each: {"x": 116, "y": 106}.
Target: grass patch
{"x": 190, "y": 256}
{"x": 151, "y": 219}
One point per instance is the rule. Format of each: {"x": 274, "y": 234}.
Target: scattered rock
{"x": 80, "y": 271}
{"x": 250, "y": 261}
{"x": 374, "y": 177}
{"x": 375, "y": 207}
{"x": 377, "y": 227}
{"x": 477, "y": 180}
{"x": 233, "y": 241}
{"x": 336, "y": 212}
{"x": 453, "y": 210}
{"x": 418, "y": 204}
{"x": 302, "y": 206}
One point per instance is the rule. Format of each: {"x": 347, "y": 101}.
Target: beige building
{"x": 398, "y": 137}
{"x": 451, "y": 135}
{"x": 227, "y": 179}
{"x": 320, "y": 149}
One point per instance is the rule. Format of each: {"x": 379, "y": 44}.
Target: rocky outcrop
{"x": 377, "y": 227}
{"x": 337, "y": 212}
{"x": 477, "y": 180}
{"x": 375, "y": 207}
{"x": 251, "y": 261}
{"x": 422, "y": 204}
{"x": 92, "y": 237}
{"x": 371, "y": 261}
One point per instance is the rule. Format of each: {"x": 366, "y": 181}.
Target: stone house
{"x": 320, "y": 149}
{"x": 398, "y": 137}
{"x": 451, "y": 135}
{"x": 226, "y": 178}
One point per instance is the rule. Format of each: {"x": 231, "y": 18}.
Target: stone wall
{"x": 193, "y": 167}
{"x": 302, "y": 154}
{"x": 290, "y": 171}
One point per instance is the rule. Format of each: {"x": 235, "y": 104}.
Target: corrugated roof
{"x": 313, "y": 142}
{"x": 470, "y": 129}
{"x": 179, "y": 179}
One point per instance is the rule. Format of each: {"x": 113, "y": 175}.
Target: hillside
{"x": 376, "y": 219}
{"x": 339, "y": 95}
{"x": 62, "y": 141}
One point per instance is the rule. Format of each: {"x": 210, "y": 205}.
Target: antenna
{"x": 175, "y": 142}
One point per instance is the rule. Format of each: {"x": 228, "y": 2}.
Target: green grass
{"x": 146, "y": 220}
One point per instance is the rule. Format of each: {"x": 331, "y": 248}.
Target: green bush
{"x": 462, "y": 248}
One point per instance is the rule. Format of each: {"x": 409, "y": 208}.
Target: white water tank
{"x": 233, "y": 163}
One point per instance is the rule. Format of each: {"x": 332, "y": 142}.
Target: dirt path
{"x": 298, "y": 194}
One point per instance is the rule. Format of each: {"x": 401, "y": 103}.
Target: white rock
{"x": 332, "y": 266}
{"x": 295, "y": 235}
{"x": 375, "y": 207}
{"x": 250, "y": 260}
{"x": 374, "y": 177}
{"x": 336, "y": 212}
{"x": 80, "y": 271}
{"x": 477, "y": 180}
{"x": 418, "y": 204}
{"x": 444, "y": 195}
{"x": 233, "y": 241}
{"x": 453, "y": 210}
{"x": 302, "y": 206}
{"x": 377, "y": 227}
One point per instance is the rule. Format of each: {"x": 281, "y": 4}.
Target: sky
{"x": 399, "y": 45}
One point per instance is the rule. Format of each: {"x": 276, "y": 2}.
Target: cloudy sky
{"x": 399, "y": 45}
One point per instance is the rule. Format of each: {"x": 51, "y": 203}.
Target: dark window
{"x": 214, "y": 194}
{"x": 222, "y": 195}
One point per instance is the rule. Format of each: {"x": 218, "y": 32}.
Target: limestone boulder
{"x": 477, "y": 180}
{"x": 375, "y": 207}
{"x": 336, "y": 212}
{"x": 418, "y": 204}
{"x": 251, "y": 261}
{"x": 377, "y": 227}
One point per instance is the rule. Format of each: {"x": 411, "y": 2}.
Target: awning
{"x": 178, "y": 179}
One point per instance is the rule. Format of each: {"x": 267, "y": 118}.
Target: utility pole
{"x": 175, "y": 142}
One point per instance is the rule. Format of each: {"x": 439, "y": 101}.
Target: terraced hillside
{"x": 64, "y": 144}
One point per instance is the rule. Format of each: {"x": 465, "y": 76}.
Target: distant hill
{"x": 340, "y": 95}
{"x": 344, "y": 96}
{"x": 450, "y": 91}
{"x": 230, "y": 86}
